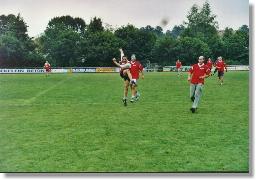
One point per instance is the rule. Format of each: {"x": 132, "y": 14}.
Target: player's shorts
{"x": 134, "y": 81}
{"x": 125, "y": 77}
{"x": 48, "y": 70}
{"x": 220, "y": 73}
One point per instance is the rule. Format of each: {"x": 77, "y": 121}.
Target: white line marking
{"x": 29, "y": 101}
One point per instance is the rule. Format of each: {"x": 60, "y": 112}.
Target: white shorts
{"x": 135, "y": 81}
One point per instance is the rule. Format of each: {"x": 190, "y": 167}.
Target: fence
{"x": 186, "y": 68}
{"x": 106, "y": 69}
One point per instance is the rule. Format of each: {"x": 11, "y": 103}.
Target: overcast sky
{"x": 37, "y": 13}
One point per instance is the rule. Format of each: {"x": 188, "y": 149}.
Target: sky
{"x": 37, "y": 13}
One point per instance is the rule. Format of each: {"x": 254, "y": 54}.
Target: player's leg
{"x": 192, "y": 92}
{"x": 222, "y": 78}
{"x": 198, "y": 94}
{"x": 127, "y": 71}
{"x": 219, "y": 76}
{"x": 137, "y": 96}
{"x": 126, "y": 86}
{"x": 179, "y": 71}
{"x": 215, "y": 70}
{"x": 133, "y": 89}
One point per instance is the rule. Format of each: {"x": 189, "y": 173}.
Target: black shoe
{"x": 125, "y": 102}
{"x": 193, "y": 110}
{"x": 192, "y": 99}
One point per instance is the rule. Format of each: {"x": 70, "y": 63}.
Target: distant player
{"x": 196, "y": 75}
{"x": 209, "y": 64}
{"x": 221, "y": 67}
{"x": 47, "y": 68}
{"x": 178, "y": 67}
{"x": 136, "y": 69}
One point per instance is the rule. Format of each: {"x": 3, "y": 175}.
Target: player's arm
{"x": 206, "y": 75}
{"x": 190, "y": 72}
{"x": 225, "y": 65}
{"x": 141, "y": 71}
{"x": 189, "y": 76}
{"x": 142, "y": 74}
{"x": 123, "y": 67}
{"x": 116, "y": 63}
{"x": 121, "y": 52}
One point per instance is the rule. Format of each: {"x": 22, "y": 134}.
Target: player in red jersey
{"x": 209, "y": 63}
{"x": 136, "y": 69}
{"x": 196, "y": 75}
{"x": 221, "y": 66}
{"x": 178, "y": 67}
{"x": 47, "y": 68}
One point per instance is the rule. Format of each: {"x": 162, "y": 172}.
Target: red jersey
{"x": 135, "y": 69}
{"x": 198, "y": 70}
{"x": 178, "y": 64}
{"x": 209, "y": 64}
{"x": 47, "y": 66}
{"x": 220, "y": 65}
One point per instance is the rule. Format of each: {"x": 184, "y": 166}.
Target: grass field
{"x": 77, "y": 123}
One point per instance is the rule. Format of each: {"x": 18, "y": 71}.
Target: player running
{"x": 136, "y": 69}
{"x": 47, "y": 68}
{"x": 209, "y": 64}
{"x": 178, "y": 67}
{"x": 199, "y": 72}
{"x": 221, "y": 66}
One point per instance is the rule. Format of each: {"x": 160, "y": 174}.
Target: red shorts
{"x": 48, "y": 70}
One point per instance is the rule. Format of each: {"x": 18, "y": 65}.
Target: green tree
{"x": 189, "y": 49}
{"x": 202, "y": 24}
{"x": 100, "y": 47}
{"x": 137, "y": 41}
{"x": 95, "y": 25}
{"x": 236, "y": 45}
{"x": 17, "y": 48}
{"x": 176, "y": 31}
{"x": 61, "y": 41}
{"x": 164, "y": 51}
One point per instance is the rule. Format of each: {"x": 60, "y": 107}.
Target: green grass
{"x": 77, "y": 123}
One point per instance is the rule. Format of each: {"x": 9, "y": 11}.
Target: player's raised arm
{"x": 121, "y": 52}
{"x": 116, "y": 63}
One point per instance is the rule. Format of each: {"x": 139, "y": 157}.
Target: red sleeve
{"x": 191, "y": 70}
{"x": 208, "y": 71}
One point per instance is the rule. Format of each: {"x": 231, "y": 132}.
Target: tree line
{"x": 68, "y": 41}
